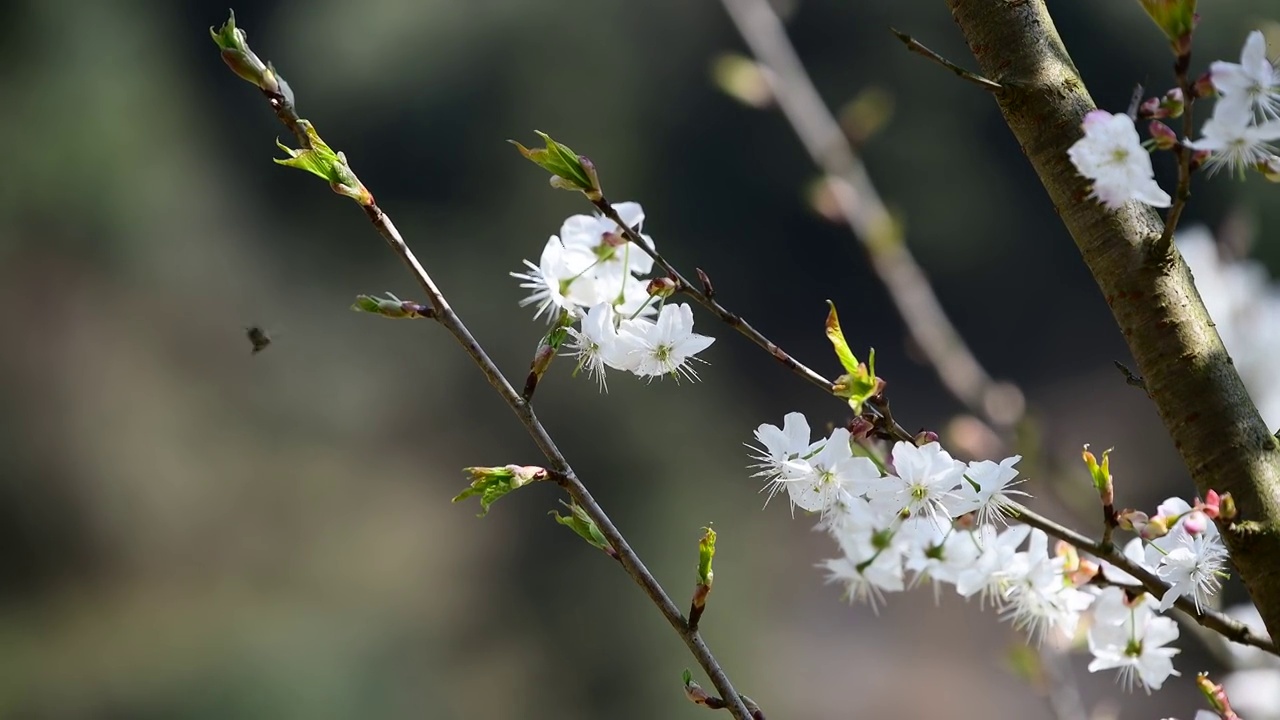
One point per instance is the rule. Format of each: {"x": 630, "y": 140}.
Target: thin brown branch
{"x": 1232, "y": 630}
{"x": 704, "y": 296}
{"x": 866, "y": 215}
{"x": 449, "y": 319}
{"x": 918, "y": 47}
{"x": 1183, "y": 193}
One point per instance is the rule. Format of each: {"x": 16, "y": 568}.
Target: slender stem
{"x": 445, "y": 315}
{"x": 1211, "y": 619}
{"x": 704, "y": 298}
{"x": 918, "y": 47}
{"x": 866, "y": 215}
{"x": 1183, "y": 193}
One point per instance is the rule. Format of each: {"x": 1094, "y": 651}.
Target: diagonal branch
{"x": 282, "y": 104}
{"x": 1232, "y": 630}
{"x": 704, "y": 297}
{"x": 866, "y": 215}
{"x": 1199, "y": 395}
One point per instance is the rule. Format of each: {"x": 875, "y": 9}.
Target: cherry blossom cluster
{"x": 1245, "y": 120}
{"x": 590, "y": 280}
{"x": 921, "y": 515}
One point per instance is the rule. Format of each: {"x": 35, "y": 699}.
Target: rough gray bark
{"x": 1200, "y": 398}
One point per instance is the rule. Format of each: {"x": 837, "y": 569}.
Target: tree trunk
{"x": 1201, "y": 400}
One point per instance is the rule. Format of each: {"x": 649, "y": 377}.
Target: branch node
{"x": 916, "y": 46}
{"x": 1130, "y": 378}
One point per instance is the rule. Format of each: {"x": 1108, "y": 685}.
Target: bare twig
{"x": 866, "y": 214}
{"x": 916, "y": 46}
{"x": 704, "y": 295}
{"x": 1183, "y": 193}
{"x": 282, "y": 104}
{"x": 1129, "y": 377}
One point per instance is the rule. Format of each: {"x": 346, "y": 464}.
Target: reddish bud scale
{"x": 1164, "y": 136}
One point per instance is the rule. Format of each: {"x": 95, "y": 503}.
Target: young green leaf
{"x": 578, "y": 521}
{"x": 569, "y": 170}
{"x": 836, "y": 336}
{"x": 491, "y": 483}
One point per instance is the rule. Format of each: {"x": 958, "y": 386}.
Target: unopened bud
{"x": 1069, "y": 554}
{"x": 1204, "y": 87}
{"x": 491, "y": 483}
{"x": 859, "y": 427}
{"x": 234, "y": 47}
{"x": 1177, "y": 18}
{"x": 696, "y": 695}
{"x": 924, "y": 437}
{"x": 1165, "y": 137}
{"x": 1132, "y": 520}
{"x": 662, "y": 287}
{"x": 1157, "y": 527}
{"x": 1078, "y": 569}
{"x": 1198, "y": 158}
{"x": 1173, "y": 103}
{"x": 1216, "y": 695}
{"x": 1150, "y": 108}
{"x": 1211, "y": 505}
{"x": 1270, "y": 168}
{"x": 1101, "y": 474}
{"x": 1226, "y": 507}
{"x": 1195, "y": 522}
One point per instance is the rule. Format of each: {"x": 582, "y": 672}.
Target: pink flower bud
{"x": 860, "y": 427}
{"x": 924, "y": 437}
{"x": 1164, "y": 136}
{"x": 1203, "y": 86}
{"x": 663, "y": 287}
{"x": 1196, "y": 522}
{"x": 1210, "y": 505}
{"x": 1132, "y": 520}
{"x": 1198, "y": 158}
{"x": 1173, "y": 103}
{"x": 1150, "y": 108}
{"x": 1226, "y": 507}
{"x": 1157, "y": 527}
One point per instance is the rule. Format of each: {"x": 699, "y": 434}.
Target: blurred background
{"x": 189, "y": 531}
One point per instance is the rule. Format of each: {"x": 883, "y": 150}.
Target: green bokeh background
{"x": 189, "y": 532}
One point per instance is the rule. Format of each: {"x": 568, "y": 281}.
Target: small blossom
{"x": 832, "y": 476}
{"x": 1111, "y": 154}
{"x": 866, "y": 575}
{"x": 664, "y": 347}
{"x": 595, "y": 344}
{"x": 778, "y": 447}
{"x": 1135, "y": 646}
{"x": 1193, "y": 566}
{"x": 602, "y": 238}
{"x": 986, "y": 488}
{"x": 1253, "y": 83}
{"x": 551, "y": 280}
{"x": 1233, "y": 141}
{"x": 924, "y": 484}
{"x": 988, "y": 575}
{"x": 1037, "y": 598}
{"x": 942, "y": 559}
